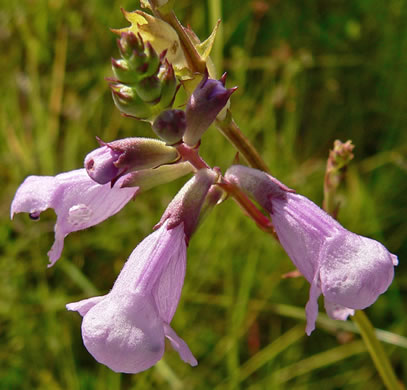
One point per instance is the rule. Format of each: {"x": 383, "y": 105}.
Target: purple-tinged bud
{"x": 168, "y": 86}
{"x": 100, "y": 164}
{"x": 154, "y": 61}
{"x": 129, "y": 103}
{"x": 149, "y": 89}
{"x": 119, "y": 157}
{"x": 152, "y": 177}
{"x": 129, "y": 43}
{"x": 186, "y": 206}
{"x": 205, "y": 103}
{"x": 142, "y": 153}
{"x": 170, "y": 126}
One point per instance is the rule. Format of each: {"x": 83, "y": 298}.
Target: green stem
{"x": 233, "y": 134}
{"x": 376, "y": 351}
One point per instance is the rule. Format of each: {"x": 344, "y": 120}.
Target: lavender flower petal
{"x": 78, "y": 201}
{"x": 355, "y": 270}
{"x": 125, "y": 329}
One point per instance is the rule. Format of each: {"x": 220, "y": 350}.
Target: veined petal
{"x": 78, "y": 201}
{"x": 167, "y": 290}
{"x": 149, "y": 259}
{"x": 355, "y": 270}
{"x": 302, "y": 228}
{"x": 124, "y": 333}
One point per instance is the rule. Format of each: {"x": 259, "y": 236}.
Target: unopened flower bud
{"x": 148, "y": 89}
{"x": 170, "y": 126}
{"x": 116, "y": 158}
{"x": 130, "y": 43}
{"x": 168, "y": 86}
{"x": 205, "y": 103}
{"x": 100, "y": 164}
{"x": 128, "y": 102}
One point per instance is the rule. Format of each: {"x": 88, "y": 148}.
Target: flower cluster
{"x": 126, "y": 328}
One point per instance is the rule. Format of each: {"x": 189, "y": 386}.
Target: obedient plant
{"x": 351, "y": 271}
{"x": 126, "y": 328}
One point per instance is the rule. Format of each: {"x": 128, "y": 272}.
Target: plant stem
{"x": 376, "y": 351}
{"x": 233, "y": 134}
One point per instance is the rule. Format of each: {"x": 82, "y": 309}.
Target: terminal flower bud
{"x": 351, "y": 271}
{"x": 114, "y": 159}
{"x": 170, "y": 126}
{"x": 205, "y": 103}
{"x": 138, "y": 60}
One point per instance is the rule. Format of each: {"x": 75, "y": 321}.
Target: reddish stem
{"x": 192, "y": 156}
{"x": 248, "y": 206}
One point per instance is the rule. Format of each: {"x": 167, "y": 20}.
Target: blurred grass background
{"x": 308, "y": 73}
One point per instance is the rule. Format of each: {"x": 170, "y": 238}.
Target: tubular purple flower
{"x": 78, "y": 201}
{"x": 350, "y": 270}
{"x": 126, "y": 329}
{"x": 205, "y": 103}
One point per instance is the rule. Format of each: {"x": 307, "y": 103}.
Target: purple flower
{"x": 351, "y": 271}
{"x": 78, "y": 201}
{"x": 126, "y": 329}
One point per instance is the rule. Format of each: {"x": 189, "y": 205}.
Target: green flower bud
{"x": 128, "y": 102}
{"x": 149, "y": 89}
{"x": 168, "y": 86}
